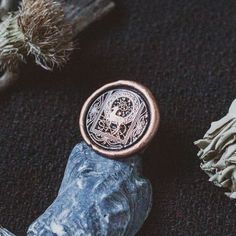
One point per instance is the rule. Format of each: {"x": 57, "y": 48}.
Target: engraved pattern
{"x": 117, "y": 119}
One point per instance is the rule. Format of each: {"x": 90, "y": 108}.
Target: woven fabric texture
{"x": 185, "y": 52}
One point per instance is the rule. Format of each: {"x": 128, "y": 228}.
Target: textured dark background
{"x": 185, "y": 52}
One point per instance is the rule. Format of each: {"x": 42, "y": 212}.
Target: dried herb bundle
{"x": 218, "y": 152}
{"x": 37, "y": 29}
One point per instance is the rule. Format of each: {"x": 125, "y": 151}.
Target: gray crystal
{"x": 98, "y": 196}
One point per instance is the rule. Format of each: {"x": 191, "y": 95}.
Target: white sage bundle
{"x": 218, "y": 152}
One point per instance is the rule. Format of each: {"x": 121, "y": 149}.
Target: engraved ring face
{"x": 116, "y": 119}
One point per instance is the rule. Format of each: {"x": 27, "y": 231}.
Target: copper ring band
{"x": 147, "y": 136}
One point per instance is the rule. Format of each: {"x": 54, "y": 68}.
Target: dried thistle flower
{"x": 218, "y": 152}
{"x": 38, "y": 29}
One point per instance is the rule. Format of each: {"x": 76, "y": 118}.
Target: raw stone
{"x": 4, "y": 232}
{"x": 98, "y": 196}
{"x": 218, "y": 152}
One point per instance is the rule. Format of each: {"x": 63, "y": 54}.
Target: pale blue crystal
{"x": 4, "y": 232}
{"x": 98, "y": 197}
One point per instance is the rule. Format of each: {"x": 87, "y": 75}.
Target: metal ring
{"x": 119, "y": 119}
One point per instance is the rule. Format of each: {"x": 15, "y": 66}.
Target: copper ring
{"x": 119, "y": 119}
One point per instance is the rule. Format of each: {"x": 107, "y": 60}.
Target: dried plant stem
{"x": 85, "y": 15}
{"x": 7, "y": 5}
{"x": 8, "y": 78}
{"x": 79, "y": 13}
{"x": 37, "y": 30}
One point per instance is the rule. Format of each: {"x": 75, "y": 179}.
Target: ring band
{"x": 119, "y": 119}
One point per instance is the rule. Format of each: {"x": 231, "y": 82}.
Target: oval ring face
{"x": 116, "y": 119}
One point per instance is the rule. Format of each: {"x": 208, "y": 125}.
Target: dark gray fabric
{"x": 184, "y": 51}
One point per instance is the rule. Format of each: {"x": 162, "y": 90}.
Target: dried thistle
{"x": 39, "y": 30}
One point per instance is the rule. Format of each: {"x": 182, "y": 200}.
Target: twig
{"x": 8, "y": 77}
{"x": 83, "y": 13}
{"x": 8, "y": 4}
